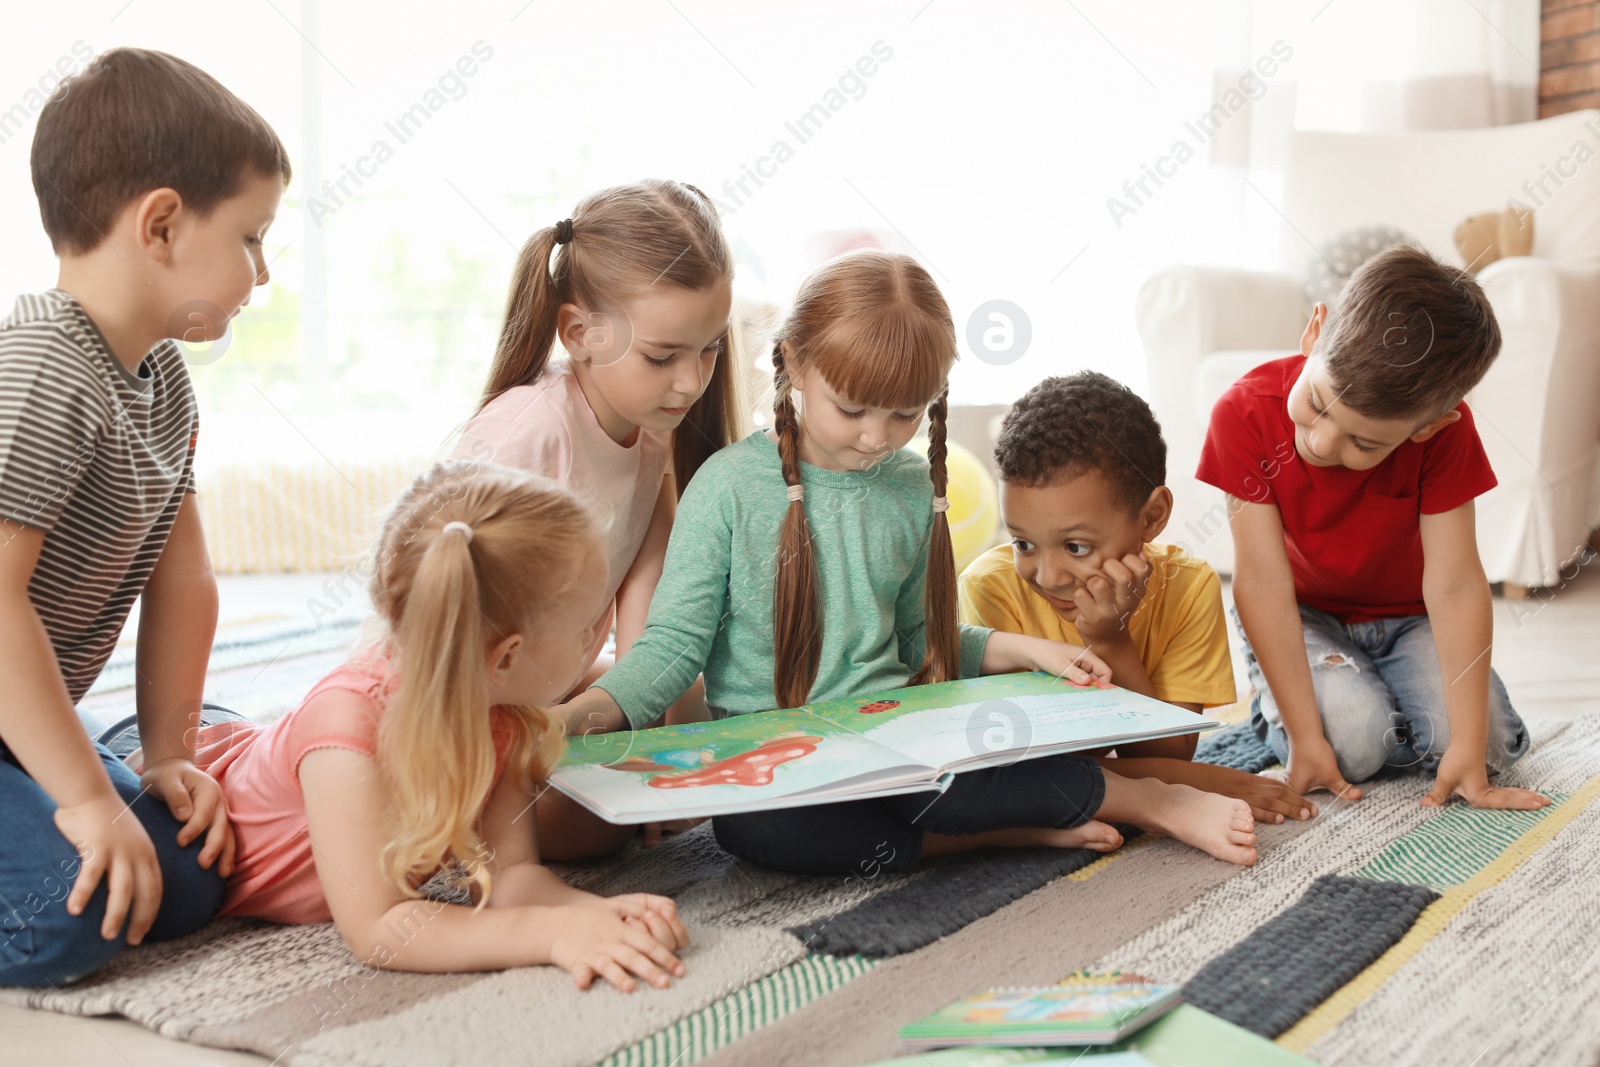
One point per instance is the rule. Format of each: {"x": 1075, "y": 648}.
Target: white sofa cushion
{"x": 1220, "y": 370}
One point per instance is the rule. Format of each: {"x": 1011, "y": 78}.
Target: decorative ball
{"x": 1337, "y": 257}
{"x": 974, "y": 513}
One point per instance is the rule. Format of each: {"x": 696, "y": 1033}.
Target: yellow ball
{"x": 974, "y": 513}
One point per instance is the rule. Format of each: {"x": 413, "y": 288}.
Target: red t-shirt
{"x": 1354, "y": 538}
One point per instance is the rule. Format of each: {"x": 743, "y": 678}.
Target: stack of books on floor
{"x": 1118, "y": 1019}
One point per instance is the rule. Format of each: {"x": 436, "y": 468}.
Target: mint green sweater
{"x": 712, "y": 611}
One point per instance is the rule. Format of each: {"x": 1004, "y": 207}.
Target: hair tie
{"x": 796, "y": 492}
{"x": 941, "y": 503}
{"x": 465, "y": 530}
{"x": 563, "y": 231}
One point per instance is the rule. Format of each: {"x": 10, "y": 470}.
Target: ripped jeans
{"x": 1381, "y": 696}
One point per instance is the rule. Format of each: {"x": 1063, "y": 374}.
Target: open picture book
{"x": 908, "y": 740}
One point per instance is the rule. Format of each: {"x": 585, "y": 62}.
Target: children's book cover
{"x": 1084, "y": 1010}
{"x": 1183, "y": 1037}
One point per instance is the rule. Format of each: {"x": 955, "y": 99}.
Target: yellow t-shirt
{"x": 1179, "y": 628}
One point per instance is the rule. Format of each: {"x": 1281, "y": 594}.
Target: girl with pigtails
{"x": 637, "y": 288}
{"x": 812, "y": 562}
{"x": 424, "y": 751}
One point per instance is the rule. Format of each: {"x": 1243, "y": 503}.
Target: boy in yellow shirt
{"x": 1082, "y": 469}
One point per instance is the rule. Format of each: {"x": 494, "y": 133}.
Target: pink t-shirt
{"x": 258, "y": 767}
{"x": 550, "y": 429}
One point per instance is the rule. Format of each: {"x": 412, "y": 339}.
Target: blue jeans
{"x": 40, "y": 943}
{"x": 1381, "y": 695}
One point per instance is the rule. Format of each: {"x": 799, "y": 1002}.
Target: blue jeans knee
{"x": 1357, "y": 711}
{"x": 1411, "y": 669}
{"x": 40, "y": 942}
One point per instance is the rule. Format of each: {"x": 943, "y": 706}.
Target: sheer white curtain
{"x": 1387, "y": 66}
{"x": 1364, "y": 66}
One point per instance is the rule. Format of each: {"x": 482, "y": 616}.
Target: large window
{"x": 1046, "y": 155}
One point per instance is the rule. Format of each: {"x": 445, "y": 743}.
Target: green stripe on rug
{"x": 1440, "y": 914}
{"x": 745, "y": 1011}
{"x": 1453, "y": 846}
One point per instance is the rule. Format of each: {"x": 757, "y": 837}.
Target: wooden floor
{"x": 1545, "y": 650}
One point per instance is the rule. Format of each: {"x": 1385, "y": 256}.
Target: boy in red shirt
{"x": 1350, "y": 471}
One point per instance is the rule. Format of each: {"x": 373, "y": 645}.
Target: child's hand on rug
{"x": 120, "y": 850}
{"x": 1271, "y": 800}
{"x": 596, "y": 942}
{"x": 1464, "y": 773}
{"x": 195, "y": 797}
{"x": 1312, "y": 765}
{"x": 658, "y": 913}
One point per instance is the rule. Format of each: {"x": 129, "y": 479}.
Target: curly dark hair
{"x": 1086, "y": 421}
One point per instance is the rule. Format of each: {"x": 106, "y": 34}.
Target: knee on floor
{"x": 42, "y": 944}
{"x": 1359, "y": 720}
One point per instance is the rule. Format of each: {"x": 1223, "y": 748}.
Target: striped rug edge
{"x": 1434, "y": 918}
{"x": 742, "y": 1012}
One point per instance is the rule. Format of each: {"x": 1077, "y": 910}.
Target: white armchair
{"x": 1537, "y": 410}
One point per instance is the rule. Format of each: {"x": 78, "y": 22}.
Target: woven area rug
{"x": 1450, "y": 936}
{"x": 1501, "y": 967}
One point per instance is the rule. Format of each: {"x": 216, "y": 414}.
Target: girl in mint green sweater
{"x": 812, "y": 561}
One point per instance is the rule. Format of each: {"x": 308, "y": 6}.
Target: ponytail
{"x": 941, "y": 644}
{"x": 436, "y": 745}
{"x": 452, "y": 579}
{"x": 532, "y": 314}
{"x": 796, "y": 622}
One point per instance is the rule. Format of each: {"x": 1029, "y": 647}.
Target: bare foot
{"x": 1093, "y": 835}
{"x": 1270, "y": 799}
{"x": 1219, "y": 825}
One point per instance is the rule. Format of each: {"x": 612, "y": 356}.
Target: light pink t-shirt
{"x": 548, "y": 428}
{"x": 275, "y": 873}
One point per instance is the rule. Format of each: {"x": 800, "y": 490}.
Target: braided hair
{"x": 875, "y": 327}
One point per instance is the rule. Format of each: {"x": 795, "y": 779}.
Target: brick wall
{"x": 1569, "y": 56}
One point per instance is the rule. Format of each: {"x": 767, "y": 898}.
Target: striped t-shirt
{"x": 97, "y": 458}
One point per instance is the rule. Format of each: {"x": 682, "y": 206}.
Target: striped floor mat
{"x": 1502, "y": 968}
{"x": 763, "y": 1001}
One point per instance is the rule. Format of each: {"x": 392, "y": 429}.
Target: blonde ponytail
{"x": 533, "y": 310}
{"x": 446, "y": 599}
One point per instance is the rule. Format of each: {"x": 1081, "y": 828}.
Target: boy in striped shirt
{"x": 155, "y": 185}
